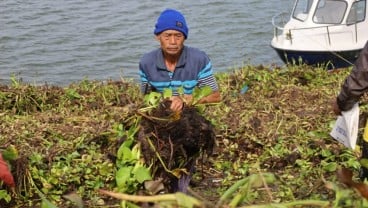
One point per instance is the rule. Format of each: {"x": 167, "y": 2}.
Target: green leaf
{"x": 142, "y": 174}
{"x": 127, "y": 143}
{"x": 47, "y": 204}
{"x": 199, "y": 93}
{"x": 187, "y": 201}
{"x": 121, "y": 150}
{"x": 152, "y": 99}
{"x": 72, "y": 94}
{"x": 364, "y": 162}
{"x": 167, "y": 93}
{"x": 127, "y": 155}
{"x": 124, "y": 153}
{"x": 10, "y": 153}
{"x": 205, "y": 91}
{"x": 5, "y": 196}
{"x": 331, "y": 167}
{"x": 122, "y": 176}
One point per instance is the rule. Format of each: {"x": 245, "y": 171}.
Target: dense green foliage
{"x": 273, "y": 144}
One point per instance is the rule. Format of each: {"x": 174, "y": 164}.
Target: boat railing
{"x": 279, "y": 21}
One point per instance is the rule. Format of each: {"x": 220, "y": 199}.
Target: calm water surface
{"x": 63, "y": 41}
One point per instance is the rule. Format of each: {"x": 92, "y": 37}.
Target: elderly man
{"x": 175, "y": 65}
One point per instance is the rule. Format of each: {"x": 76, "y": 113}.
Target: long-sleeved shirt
{"x": 193, "y": 69}
{"x": 356, "y": 84}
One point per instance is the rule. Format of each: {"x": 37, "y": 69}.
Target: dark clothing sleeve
{"x": 356, "y": 84}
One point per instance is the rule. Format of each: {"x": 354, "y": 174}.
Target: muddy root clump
{"x": 172, "y": 142}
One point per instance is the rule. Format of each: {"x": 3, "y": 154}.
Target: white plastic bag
{"x": 346, "y": 127}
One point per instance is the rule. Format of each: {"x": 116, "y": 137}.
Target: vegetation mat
{"x": 98, "y": 144}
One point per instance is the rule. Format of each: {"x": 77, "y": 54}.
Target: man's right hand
{"x": 176, "y": 103}
{"x": 5, "y": 174}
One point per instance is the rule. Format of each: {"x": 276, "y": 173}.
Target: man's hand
{"x": 5, "y": 174}
{"x": 176, "y": 103}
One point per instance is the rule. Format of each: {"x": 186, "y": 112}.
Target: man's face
{"x": 172, "y": 42}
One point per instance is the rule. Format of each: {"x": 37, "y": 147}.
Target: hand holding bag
{"x": 346, "y": 127}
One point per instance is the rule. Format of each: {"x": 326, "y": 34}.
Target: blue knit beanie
{"x": 171, "y": 20}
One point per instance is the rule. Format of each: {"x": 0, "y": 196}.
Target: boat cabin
{"x": 316, "y": 32}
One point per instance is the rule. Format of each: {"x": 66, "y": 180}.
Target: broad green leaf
{"x": 128, "y": 143}
{"x": 122, "y": 176}
{"x": 205, "y": 91}
{"x": 127, "y": 155}
{"x": 72, "y": 94}
{"x": 5, "y": 196}
{"x": 152, "y": 98}
{"x": 122, "y": 151}
{"x": 331, "y": 167}
{"x": 142, "y": 174}
{"x": 199, "y": 93}
{"x": 10, "y": 153}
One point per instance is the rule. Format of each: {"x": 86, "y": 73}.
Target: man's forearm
{"x": 215, "y": 97}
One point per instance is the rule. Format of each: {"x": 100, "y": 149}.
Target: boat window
{"x": 330, "y": 11}
{"x": 357, "y": 12}
{"x": 301, "y": 9}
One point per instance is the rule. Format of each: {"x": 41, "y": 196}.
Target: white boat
{"x": 328, "y": 33}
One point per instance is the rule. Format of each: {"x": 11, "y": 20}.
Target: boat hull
{"x": 328, "y": 59}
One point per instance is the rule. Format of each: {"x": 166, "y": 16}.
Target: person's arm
{"x": 5, "y": 174}
{"x": 177, "y": 102}
{"x": 215, "y": 97}
{"x": 208, "y": 79}
{"x": 355, "y": 85}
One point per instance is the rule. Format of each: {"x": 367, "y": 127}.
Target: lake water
{"x": 64, "y": 41}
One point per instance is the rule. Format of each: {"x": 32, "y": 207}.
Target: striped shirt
{"x": 193, "y": 69}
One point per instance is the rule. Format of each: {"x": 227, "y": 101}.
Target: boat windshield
{"x": 330, "y": 11}
{"x": 357, "y": 12}
{"x": 301, "y": 9}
